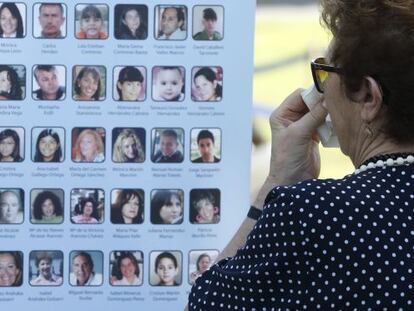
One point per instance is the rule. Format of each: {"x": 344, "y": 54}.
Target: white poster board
{"x": 125, "y": 133}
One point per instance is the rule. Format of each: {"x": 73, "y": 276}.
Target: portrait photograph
{"x": 205, "y": 145}
{"x": 87, "y": 206}
{"x": 171, "y": 22}
{"x": 199, "y": 261}
{"x": 88, "y": 145}
{"x": 12, "y": 20}
{"x": 86, "y": 268}
{"x": 126, "y": 268}
{"x": 47, "y": 206}
{"x": 91, "y": 21}
{"x": 46, "y": 268}
{"x": 12, "y": 82}
{"x": 48, "y": 144}
{"x": 167, "y": 145}
{"x": 128, "y": 145}
{"x": 205, "y": 206}
{"x": 49, "y": 82}
{"x": 49, "y": 20}
{"x": 207, "y": 84}
{"x": 131, "y": 22}
{"x": 127, "y": 206}
{"x": 12, "y": 263}
{"x": 167, "y": 206}
{"x": 208, "y": 22}
{"x": 165, "y": 268}
{"x": 11, "y": 206}
{"x": 11, "y": 144}
{"x": 168, "y": 83}
{"x": 89, "y": 83}
{"x": 130, "y": 83}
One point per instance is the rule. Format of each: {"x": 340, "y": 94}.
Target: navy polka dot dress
{"x": 343, "y": 244}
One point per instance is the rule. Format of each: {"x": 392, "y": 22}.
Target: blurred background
{"x": 288, "y": 35}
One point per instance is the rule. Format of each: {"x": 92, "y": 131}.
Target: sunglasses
{"x": 320, "y": 70}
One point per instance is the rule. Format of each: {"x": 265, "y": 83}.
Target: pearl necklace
{"x": 394, "y": 159}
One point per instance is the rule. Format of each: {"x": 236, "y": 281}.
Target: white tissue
{"x": 326, "y": 133}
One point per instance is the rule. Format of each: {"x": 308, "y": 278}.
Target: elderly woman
{"x": 45, "y": 275}
{"x": 88, "y": 213}
{"x": 334, "y": 244}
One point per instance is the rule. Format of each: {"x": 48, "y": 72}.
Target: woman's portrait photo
{"x": 208, "y": 23}
{"x": 88, "y": 145}
{"x": 47, "y": 206}
{"x": 87, "y": 206}
{"x": 127, "y": 206}
{"x": 167, "y": 207}
{"x": 207, "y": 84}
{"x": 131, "y": 22}
{"x": 166, "y": 268}
{"x": 11, "y": 268}
{"x": 48, "y": 144}
{"x": 199, "y": 262}
{"x": 11, "y": 206}
{"x": 167, "y": 145}
{"x": 11, "y": 144}
{"x": 205, "y": 206}
{"x": 91, "y": 21}
{"x": 89, "y": 83}
{"x": 46, "y": 268}
{"x": 126, "y": 268}
{"x": 12, "y": 20}
{"x": 12, "y": 82}
{"x": 205, "y": 145}
{"x": 129, "y": 83}
{"x": 128, "y": 145}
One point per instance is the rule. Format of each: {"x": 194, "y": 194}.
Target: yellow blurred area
{"x": 283, "y": 33}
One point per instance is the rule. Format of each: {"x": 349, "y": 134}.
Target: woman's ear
{"x": 370, "y": 97}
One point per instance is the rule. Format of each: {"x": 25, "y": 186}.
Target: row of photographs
{"x": 88, "y": 145}
{"x": 130, "y": 21}
{"x": 86, "y": 267}
{"x": 89, "y": 83}
{"x": 87, "y": 206}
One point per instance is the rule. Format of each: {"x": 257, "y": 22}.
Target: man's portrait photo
{"x": 49, "y": 82}
{"x": 170, "y": 22}
{"x": 167, "y": 145}
{"x": 205, "y": 145}
{"x": 49, "y": 20}
{"x": 208, "y": 23}
{"x": 86, "y": 268}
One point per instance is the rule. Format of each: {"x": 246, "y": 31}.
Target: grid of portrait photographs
{"x": 120, "y": 145}
{"x": 89, "y": 83}
{"x": 88, "y": 268}
{"x": 126, "y": 145}
{"x": 96, "y": 21}
{"x": 127, "y": 206}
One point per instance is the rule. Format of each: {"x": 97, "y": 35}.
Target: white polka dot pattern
{"x": 323, "y": 245}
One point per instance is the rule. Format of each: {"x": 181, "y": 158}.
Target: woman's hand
{"x": 295, "y": 154}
